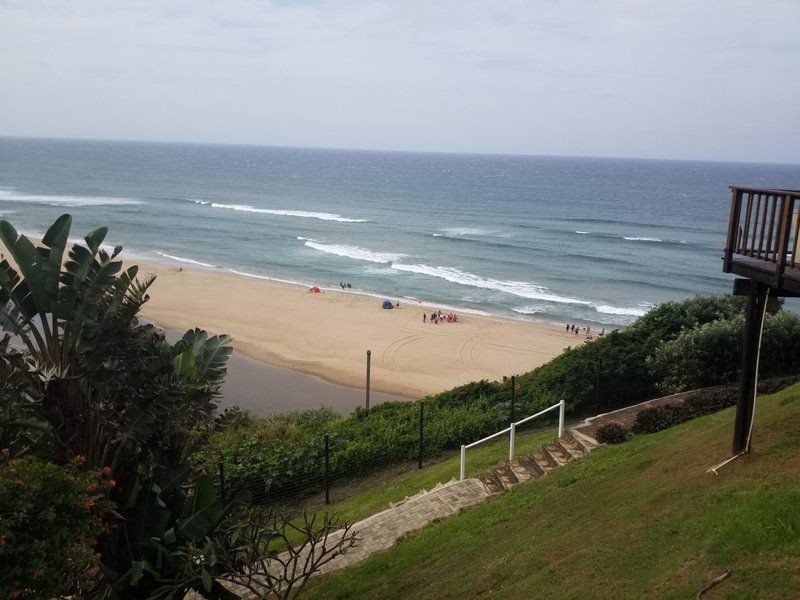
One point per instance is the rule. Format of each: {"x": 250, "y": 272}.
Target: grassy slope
{"x": 640, "y": 520}
{"x": 375, "y": 493}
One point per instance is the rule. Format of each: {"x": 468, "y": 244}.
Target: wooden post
{"x": 733, "y": 227}
{"x": 369, "y": 357}
{"x": 745, "y": 409}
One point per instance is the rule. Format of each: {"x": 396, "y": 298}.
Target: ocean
{"x": 586, "y": 240}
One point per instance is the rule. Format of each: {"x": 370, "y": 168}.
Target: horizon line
{"x": 388, "y": 150}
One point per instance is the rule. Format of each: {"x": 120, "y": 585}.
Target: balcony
{"x": 763, "y": 235}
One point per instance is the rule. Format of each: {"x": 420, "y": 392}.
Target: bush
{"x": 711, "y": 354}
{"x": 657, "y": 418}
{"x": 612, "y": 433}
{"x": 707, "y": 402}
{"x": 49, "y": 517}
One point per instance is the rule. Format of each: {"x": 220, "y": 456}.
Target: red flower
{"x": 111, "y": 483}
{"x": 91, "y": 487}
{"x": 107, "y": 470}
{"x": 89, "y": 503}
{"x": 80, "y": 458}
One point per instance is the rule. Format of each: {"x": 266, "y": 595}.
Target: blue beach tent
{"x": 387, "y": 304}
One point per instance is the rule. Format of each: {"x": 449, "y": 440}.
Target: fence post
{"x": 511, "y": 441}
{"x": 513, "y": 398}
{"x": 463, "y": 459}
{"x": 369, "y": 358}
{"x": 327, "y": 471}
{"x": 561, "y": 418}
{"x": 421, "y": 420}
{"x": 222, "y": 481}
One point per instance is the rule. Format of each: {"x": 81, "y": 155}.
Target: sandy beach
{"x": 328, "y": 333}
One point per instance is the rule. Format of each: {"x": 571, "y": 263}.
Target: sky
{"x": 682, "y": 79}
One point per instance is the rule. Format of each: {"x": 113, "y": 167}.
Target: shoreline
{"x": 327, "y": 334}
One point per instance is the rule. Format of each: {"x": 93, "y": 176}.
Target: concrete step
{"x": 584, "y": 441}
{"x": 524, "y": 469}
{"x": 558, "y": 454}
{"x": 570, "y": 447}
{"x": 532, "y": 465}
{"x": 544, "y": 461}
{"x": 491, "y": 482}
{"x": 506, "y": 476}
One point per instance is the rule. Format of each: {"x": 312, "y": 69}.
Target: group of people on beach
{"x": 439, "y": 317}
{"x": 587, "y": 331}
{"x": 345, "y": 286}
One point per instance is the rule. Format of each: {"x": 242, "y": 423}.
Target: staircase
{"x": 512, "y": 472}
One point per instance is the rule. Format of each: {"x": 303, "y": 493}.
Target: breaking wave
{"x": 523, "y": 289}
{"x": 621, "y": 310}
{"x": 354, "y": 252}
{"x": 323, "y": 216}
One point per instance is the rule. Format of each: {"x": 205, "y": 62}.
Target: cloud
{"x": 681, "y": 79}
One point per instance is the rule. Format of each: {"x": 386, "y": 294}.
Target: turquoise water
{"x": 569, "y": 239}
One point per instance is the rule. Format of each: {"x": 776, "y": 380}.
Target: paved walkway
{"x": 380, "y": 531}
{"x": 626, "y": 416}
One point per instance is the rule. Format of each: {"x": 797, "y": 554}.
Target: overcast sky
{"x": 695, "y": 79}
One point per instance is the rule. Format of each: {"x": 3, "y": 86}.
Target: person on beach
{"x": 424, "y": 317}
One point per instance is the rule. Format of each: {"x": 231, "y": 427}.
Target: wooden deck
{"x": 763, "y": 237}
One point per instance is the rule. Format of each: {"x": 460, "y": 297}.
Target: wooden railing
{"x": 764, "y": 225}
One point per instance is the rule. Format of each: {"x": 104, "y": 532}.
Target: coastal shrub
{"x": 612, "y": 433}
{"x": 49, "y": 518}
{"x": 776, "y": 384}
{"x": 707, "y": 402}
{"x": 657, "y": 418}
{"x": 614, "y": 371}
{"x": 711, "y": 354}
{"x": 263, "y": 454}
{"x": 282, "y": 455}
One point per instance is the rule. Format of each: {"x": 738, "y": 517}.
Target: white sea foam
{"x": 9, "y": 195}
{"x": 288, "y": 213}
{"x": 642, "y": 239}
{"x": 458, "y": 231}
{"x": 354, "y": 252}
{"x": 203, "y": 202}
{"x": 583, "y": 232}
{"x": 621, "y": 310}
{"x": 522, "y": 289}
{"x": 190, "y": 261}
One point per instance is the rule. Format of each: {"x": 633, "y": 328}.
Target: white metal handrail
{"x": 512, "y": 431}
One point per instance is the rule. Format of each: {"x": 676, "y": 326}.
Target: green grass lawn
{"x": 639, "y": 520}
